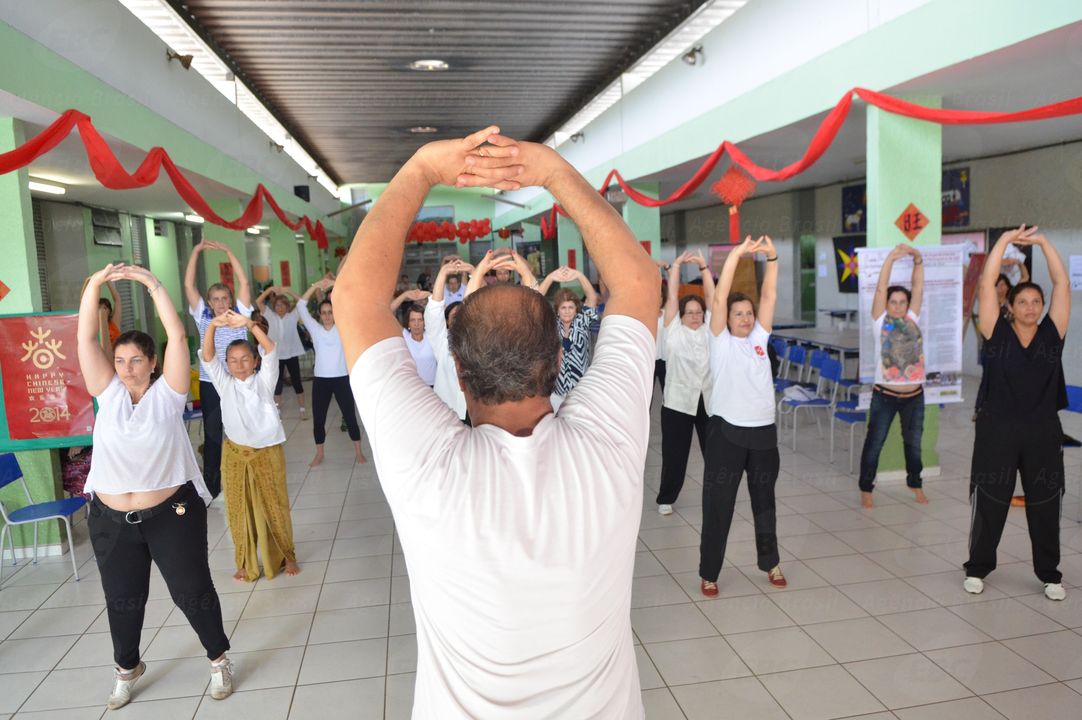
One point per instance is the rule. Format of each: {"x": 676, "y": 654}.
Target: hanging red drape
{"x": 823, "y": 138}
{"x": 111, "y": 174}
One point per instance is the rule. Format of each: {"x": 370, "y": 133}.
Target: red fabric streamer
{"x": 111, "y": 174}
{"x": 823, "y": 138}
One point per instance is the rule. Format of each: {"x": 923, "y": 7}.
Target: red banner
{"x": 225, "y": 274}
{"x": 44, "y": 393}
{"x": 287, "y": 280}
{"x": 970, "y": 284}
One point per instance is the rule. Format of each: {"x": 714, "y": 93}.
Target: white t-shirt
{"x": 222, "y": 336}
{"x": 520, "y": 550}
{"x": 330, "y": 358}
{"x": 899, "y": 350}
{"x": 249, "y": 415}
{"x": 143, "y": 447}
{"x": 743, "y": 386}
{"x": 453, "y": 296}
{"x": 283, "y": 332}
{"x": 446, "y": 386}
{"x": 661, "y": 336}
{"x": 424, "y": 357}
{"x": 687, "y": 366}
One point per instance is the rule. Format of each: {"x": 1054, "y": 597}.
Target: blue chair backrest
{"x": 9, "y": 469}
{"x": 796, "y": 354}
{"x": 831, "y": 370}
{"x": 817, "y": 358}
{"x": 779, "y": 346}
{"x": 1074, "y": 398}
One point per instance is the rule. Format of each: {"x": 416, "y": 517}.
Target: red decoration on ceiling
{"x": 822, "y": 140}
{"x": 504, "y": 233}
{"x": 111, "y": 174}
{"x": 733, "y": 188}
{"x": 464, "y": 232}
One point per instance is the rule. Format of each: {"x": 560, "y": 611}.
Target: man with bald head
{"x": 519, "y": 533}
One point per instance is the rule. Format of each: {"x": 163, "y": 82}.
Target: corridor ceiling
{"x": 336, "y": 73}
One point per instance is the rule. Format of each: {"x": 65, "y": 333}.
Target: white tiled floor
{"x": 874, "y": 623}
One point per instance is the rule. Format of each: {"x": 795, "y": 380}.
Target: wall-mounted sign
{"x": 911, "y": 222}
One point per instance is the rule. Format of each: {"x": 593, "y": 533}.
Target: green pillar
{"x": 164, "y": 263}
{"x": 41, "y": 468}
{"x": 234, "y": 239}
{"x": 644, "y": 221}
{"x": 284, "y": 246}
{"x": 905, "y": 165}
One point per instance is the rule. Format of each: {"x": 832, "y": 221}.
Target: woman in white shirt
{"x": 439, "y": 318}
{"x": 424, "y": 357}
{"x": 743, "y": 436}
{"x": 253, "y": 457}
{"x": 330, "y": 375}
{"x": 687, "y": 359}
{"x": 149, "y": 499}
{"x": 282, "y": 330}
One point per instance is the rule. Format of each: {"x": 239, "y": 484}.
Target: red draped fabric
{"x": 822, "y": 140}
{"x": 111, "y": 174}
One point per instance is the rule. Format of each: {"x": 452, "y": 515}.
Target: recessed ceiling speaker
{"x": 303, "y": 192}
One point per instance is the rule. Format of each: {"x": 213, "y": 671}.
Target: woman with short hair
{"x": 743, "y": 437}
{"x": 1018, "y": 429}
{"x": 687, "y": 358}
{"x": 219, "y": 299}
{"x": 899, "y": 375}
{"x": 282, "y": 323}
{"x": 149, "y": 501}
{"x": 573, "y": 318}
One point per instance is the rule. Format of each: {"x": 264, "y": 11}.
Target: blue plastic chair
{"x": 33, "y": 513}
{"x": 851, "y": 418}
{"x": 826, "y": 390}
{"x": 793, "y": 358}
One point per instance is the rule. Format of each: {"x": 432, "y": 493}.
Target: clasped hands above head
{"x": 486, "y": 159}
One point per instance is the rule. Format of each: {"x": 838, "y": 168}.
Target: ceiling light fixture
{"x": 429, "y": 65}
{"x": 184, "y": 60}
{"x": 193, "y": 218}
{"x": 46, "y": 187}
{"x": 694, "y": 56}
{"x": 423, "y": 130}
{"x": 253, "y": 231}
{"x": 580, "y": 135}
{"x": 709, "y": 16}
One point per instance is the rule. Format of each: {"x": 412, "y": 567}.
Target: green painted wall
{"x": 162, "y": 254}
{"x": 40, "y": 467}
{"x": 55, "y": 83}
{"x": 645, "y": 222}
{"x": 234, "y": 239}
{"x": 284, "y": 246}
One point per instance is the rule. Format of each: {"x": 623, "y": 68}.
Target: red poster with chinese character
{"x": 286, "y": 279}
{"x": 44, "y": 393}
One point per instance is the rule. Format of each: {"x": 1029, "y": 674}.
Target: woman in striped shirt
{"x": 573, "y": 318}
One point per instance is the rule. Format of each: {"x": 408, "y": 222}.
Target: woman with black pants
{"x": 330, "y": 375}
{"x": 687, "y": 355}
{"x": 1018, "y": 429}
{"x": 149, "y": 501}
{"x": 742, "y": 436}
{"x": 219, "y": 299}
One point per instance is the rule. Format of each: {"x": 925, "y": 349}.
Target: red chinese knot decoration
{"x": 733, "y": 188}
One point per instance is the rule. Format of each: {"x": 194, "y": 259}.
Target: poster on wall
{"x": 530, "y": 251}
{"x": 940, "y": 323}
{"x": 972, "y": 280}
{"x": 44, "y": 394}
{"x": 955, "y": 190}
{"x": 854, "y": 209}
{"x": 225, "y": 273}
{"x": 284, "y": 271}
{"x": 845, "y": 262}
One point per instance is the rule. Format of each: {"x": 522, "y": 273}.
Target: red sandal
{"x": 776, "y": 578}
{"x": 709, "y": 589}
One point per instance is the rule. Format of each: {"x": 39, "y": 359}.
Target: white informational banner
{"x": 940, "y": 317}
{"x": 1075, "y": 269}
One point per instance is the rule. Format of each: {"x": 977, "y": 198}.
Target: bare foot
{"x": 317, "y": 460}
{"x": 290, "y": 567}
{"x": 921, "y": 497}
{"x": 240, "y": 575}
{"x": 361, "y": 458}
{"x": 866, "y": 500}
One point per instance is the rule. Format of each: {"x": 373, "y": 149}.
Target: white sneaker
{"x": 664, "y": 509}
{"x": 221, "y": 679}
{"x": 123, "y": 684}
{"x": 974, "y": 586}
{"x": 1055, "y": 591}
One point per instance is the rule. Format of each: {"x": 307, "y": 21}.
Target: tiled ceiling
{"x": 336, "y": 72}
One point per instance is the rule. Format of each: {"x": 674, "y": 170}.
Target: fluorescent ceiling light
{"x": 675, "y": 44}
{"x": 253, "y": 231}
{"x": 177, "y": 35}
{"x": 192, "y": 218}
{"x": 423, "y": 130}
{"x": 429, "y": 65}
{"x": 46, "y": 187}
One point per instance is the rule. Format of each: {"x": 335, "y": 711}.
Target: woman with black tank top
{"x": 1018, "y": 428}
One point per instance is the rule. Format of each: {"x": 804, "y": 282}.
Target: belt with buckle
{"x": 134, "y": 517}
